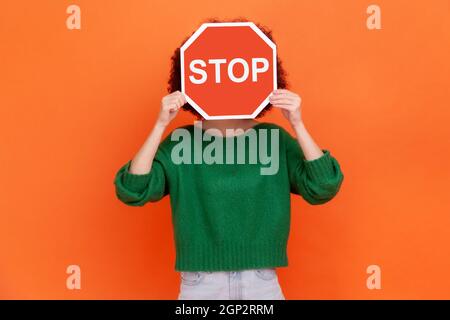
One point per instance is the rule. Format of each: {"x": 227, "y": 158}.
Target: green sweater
{"x": 229, "y": 216}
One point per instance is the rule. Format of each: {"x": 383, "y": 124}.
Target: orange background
{"x": 77, "y": 104}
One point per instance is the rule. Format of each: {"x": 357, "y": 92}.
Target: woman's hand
{"x": 170, "y": 105}
{"x": 289, "y": 103}
{"x": 143, "y": 160}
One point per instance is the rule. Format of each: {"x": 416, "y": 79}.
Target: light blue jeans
{"x": 252, "y": 284}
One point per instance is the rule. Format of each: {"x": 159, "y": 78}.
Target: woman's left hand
{"x": 289, "y": 103}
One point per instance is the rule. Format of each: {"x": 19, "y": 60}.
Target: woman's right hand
{"x": 170, "y": 105}
{"x": 143, "y": 160}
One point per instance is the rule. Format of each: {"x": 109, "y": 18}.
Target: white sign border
{"x": 227, "y": 24}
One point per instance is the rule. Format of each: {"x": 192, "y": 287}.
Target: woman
{"x": 231, "y": 220}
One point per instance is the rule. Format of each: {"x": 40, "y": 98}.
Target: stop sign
{"x": 228, "y": 70}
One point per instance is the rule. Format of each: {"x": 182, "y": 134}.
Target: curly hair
{"x": 174, "y": 82}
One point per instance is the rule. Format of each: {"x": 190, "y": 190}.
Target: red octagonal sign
{"x": 228, "y": 70}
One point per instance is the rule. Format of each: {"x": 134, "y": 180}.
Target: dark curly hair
{"x": 174, "y": 82}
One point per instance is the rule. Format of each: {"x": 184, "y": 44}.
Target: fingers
{"x": 282, "y": 101}
{"x": 285, "y": 99}
{"x": 171, "y": 103}
{"x": 284, "y": 92}
{"x": 179, "y": 95}
{"x": 278, "y": 91}
{"x": 289, "y": 107}
{"x": 174, "y": 101}
{"x": 179, "y": 99}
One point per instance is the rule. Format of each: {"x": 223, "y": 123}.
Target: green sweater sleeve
{"x": 318, "y": 180}
{"x": 138, "y": 189}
